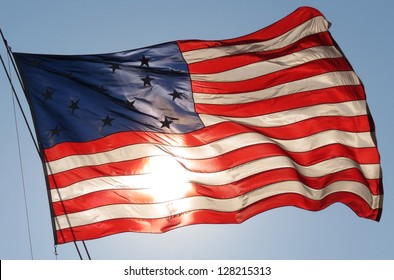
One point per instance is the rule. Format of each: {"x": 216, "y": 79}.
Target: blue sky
{"x": 363, "y": 29}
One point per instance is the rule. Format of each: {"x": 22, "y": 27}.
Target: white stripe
{"x": 320, "y": 169}
{"x": 261, "y": 68}
{"x": 312, "y": 26}
{"x": 176, "y": 207}
{"x": 117, "y": 155}
{"x": 228, "y": 176}
{"x": 210, "y": 150}
{"x": 326, "y": 80}
{"x": 345, "y": 109}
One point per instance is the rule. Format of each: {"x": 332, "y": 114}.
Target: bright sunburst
{"x": 166, "y": 177}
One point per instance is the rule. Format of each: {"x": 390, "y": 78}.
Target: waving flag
{"x": 193, "y": 131}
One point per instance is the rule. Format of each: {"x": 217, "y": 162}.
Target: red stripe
{"x": 282, "y": 103}
{"x": 220, "y": 163}
{"x": 128, "y": 196}
{"x": 121, "y": 139}
{"x": 225, "y": 63}
{"x": 66, "y": 178}
{"x": 196, "y": 138}
{"x": 303, "y": 71}
{"x": 315, "y": 125}
{"x": 108, "y": 227}
{"x": 277, "y": 29}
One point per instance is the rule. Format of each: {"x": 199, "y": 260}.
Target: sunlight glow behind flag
{"x": 193, "y": 131}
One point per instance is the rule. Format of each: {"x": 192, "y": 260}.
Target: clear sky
{"x": 362, "y": 28}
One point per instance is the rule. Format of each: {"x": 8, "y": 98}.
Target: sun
{"x": 166, "y": 178}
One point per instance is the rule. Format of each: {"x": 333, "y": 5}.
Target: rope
{"x": 55, "y": 252}
{"x": 86, "y": 249}
{"x": 9, "y": 51}
{"x": 21, "y": 170}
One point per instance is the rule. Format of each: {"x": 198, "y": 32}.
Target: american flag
{"x": 193, "y": 131}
